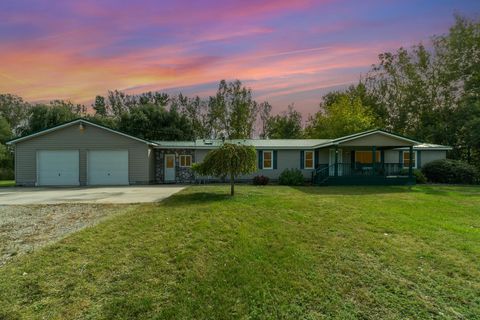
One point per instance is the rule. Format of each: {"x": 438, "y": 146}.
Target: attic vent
{"x": 208, "y": 143}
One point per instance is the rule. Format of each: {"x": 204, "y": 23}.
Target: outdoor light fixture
{"x": 81, "y": 127}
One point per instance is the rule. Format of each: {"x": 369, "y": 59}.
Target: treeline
{"x": 430, "y": 92}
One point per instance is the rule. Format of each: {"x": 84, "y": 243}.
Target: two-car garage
{"x": 82, "y": 153}
{"x": 62, "y": 167}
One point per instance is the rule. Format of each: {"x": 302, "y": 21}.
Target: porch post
{"x": 382, "y": 162}
{"x": 336, "y": 161}
{"x": 374, "y": 160}
{"x": 410, "y": 167}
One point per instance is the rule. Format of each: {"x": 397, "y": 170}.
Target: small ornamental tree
{"x": 230, "y": 160}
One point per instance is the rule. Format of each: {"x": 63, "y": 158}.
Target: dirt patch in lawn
{"x": 26, "y": 228}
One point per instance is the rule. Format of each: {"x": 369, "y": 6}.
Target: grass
{"x": 268, "y": 253}
{"x": 7, "y": 183}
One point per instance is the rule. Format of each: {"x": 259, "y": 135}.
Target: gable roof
{"x": 366, "y": 134}
{"x": 70, "y": 123}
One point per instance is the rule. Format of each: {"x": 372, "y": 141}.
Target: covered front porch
{"x": 367, "y": 160}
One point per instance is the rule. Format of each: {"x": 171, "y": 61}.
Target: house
{"x": 81, "y": 152}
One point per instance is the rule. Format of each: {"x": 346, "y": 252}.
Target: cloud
{"x": 285, "y": 50}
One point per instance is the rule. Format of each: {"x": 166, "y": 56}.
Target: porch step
{"x": 367, "y": 180}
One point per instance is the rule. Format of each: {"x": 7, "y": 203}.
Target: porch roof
{"x": 375, "y": 137}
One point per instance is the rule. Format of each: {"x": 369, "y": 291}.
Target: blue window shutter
{"x": 317, "y": 155}
{"x": 260, "y": 159}
{"x": 302, "y": 159}
{"x": 400, "y": 157}
{"x": 352, "y": 159}
{"x": 274, "y": 159}
{"x": 419, "y": 159}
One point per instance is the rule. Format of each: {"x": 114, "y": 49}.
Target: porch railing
{"x": 324, "y": 171}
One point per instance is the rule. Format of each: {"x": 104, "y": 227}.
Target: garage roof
{"x": 73, "y": 122}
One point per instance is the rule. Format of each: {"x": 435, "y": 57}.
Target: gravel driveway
{"x": 24, "y": 228}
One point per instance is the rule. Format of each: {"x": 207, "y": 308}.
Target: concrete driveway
{"x": 124, "y": 194}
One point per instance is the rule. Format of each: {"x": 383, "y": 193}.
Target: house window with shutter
{"x": 309, "y": 159}
{"x": 267, "y": 159}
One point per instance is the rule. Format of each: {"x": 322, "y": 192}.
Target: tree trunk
{"x": 232, "y": 185}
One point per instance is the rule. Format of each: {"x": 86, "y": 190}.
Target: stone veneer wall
{"x": 182, "y": 175}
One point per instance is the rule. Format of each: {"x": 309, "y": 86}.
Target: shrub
{"x": 6, "y": 174}
{"x": 291, "y": 177}
{"x": 420, "y": 177}
{"x": 450, "y": 171}
{"x": 260, "y": 180}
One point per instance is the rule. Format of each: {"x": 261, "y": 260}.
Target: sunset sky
{"x": 287, "y": 51}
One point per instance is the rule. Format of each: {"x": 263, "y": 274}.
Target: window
{"x": 406, "y": 159}
{"x": 365, "y": 157}
{"x": 308, "y": 160}
{"x": 185, "y": 160}
{"x": 170, "y": 161}
{"x": 267, "y": 160}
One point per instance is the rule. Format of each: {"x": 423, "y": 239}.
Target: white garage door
{"x": 107, "y": 167}
{"x": 58, "y": 168}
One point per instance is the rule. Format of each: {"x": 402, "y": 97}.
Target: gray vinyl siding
{"x": 432, "y": 155}
{"x": 323, "y": 156}
{"x": 286, "y": 159}
{"x": 391, "y": 156}
{"x": 91, "y": 138}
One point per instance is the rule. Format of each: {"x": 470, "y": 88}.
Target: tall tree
{"x": 340, "y": 117}
{"x": 264, "y": 110}
{"x": 196, "y": 110}
{"x": 429, "y": 94}
{"x": 159, "y": 99}
{"x": 44, "y": 116}
{"x": 232, "y": 111}
{"x": 152, "y": 122}
{"x": 5, "y": 130}
{"x": 100, "y": 106}
{"x": 6, "y": 157}
{"x": 287, "y": 125}
{"x": 15, "y": 111}
{"x": 119, "y": 102}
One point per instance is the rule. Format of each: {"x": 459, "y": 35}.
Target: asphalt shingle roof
{"x": 257, "y": 143}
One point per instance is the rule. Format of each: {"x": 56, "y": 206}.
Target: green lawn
{"x": 7, "y": 183}
{"x": 268, "y": 253}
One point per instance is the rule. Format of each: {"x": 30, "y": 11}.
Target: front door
{"x": 169, "y": 168}
{"x": 332, "y": 162}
